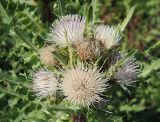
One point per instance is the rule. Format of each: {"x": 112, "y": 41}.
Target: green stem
{"x": 69, "y": 50}
{"x": 60, "y": 7}
{"x": 70, "y": 55}
{"x": 80, "y": 116}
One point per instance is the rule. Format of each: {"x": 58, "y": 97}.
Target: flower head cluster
{"x": 70, "y": 29}
{"x": 82, "y": 85}
{"x": 44, "y": 83}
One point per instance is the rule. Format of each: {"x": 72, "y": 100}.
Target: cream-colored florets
{"x": 108, "y": 35}
{"x": 44, "y": 84}
{"x": 82, "y": 85}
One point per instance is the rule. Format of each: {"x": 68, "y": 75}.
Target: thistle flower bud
{"x": 88, "y": 49}
{"x": 82, "y": 85}
{"x": 128, "y": 73}
{"x": 46, "y": 55}
{"x": 107, "y": 35}
{"x": 44, "y": 84}
{"x": 67, "y": 30}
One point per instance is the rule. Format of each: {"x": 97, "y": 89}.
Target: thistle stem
{"x": 70, "y": 55}
{"x": 69, "y": 50}
{"x": 79, "y": 118}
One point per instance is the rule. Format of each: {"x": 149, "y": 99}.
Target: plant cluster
{"x": 92, "y": 47}
{"x": 82, "y": 62}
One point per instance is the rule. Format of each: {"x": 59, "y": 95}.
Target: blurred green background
{"x": 24, "y": 25}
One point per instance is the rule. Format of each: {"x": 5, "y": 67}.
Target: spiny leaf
{"x": 25, "y": 38}
{"x": 152, "y": 47}
{"x": 135, "y": 108}
{"x": 4, "y": 15}
{"x": 155, "y": 65}
{"x": 94, "y": 7}
{"x": 126, "y": 20}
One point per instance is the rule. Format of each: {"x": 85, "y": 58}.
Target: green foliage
{"x": 148, "y": 68}
{"x": 125, "y": 22}
{"x": 22, "y": 34}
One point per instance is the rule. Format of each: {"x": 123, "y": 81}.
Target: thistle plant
{"x": 88, "y": 64}
{"x": 84, "y": 69}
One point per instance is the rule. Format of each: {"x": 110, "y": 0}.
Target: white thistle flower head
{"x": 68, "y": 30}
{"x": 83, "y": 86}
{"x": 128, "y": 73}
{"x": 44, "y": 84}
{"x": 108, "y": 35}
{"x": 46, "y": 55}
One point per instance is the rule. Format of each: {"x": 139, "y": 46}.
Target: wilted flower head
{"x": 82, "y": 85}
{"x": 44, "y": 83}
{"x": 88, "y": 49}
{"x": 128, "y": 73}
{"x": 108, "y": 35}
{"x": 68, "y": 29}
{"x": 46, "y": 55}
